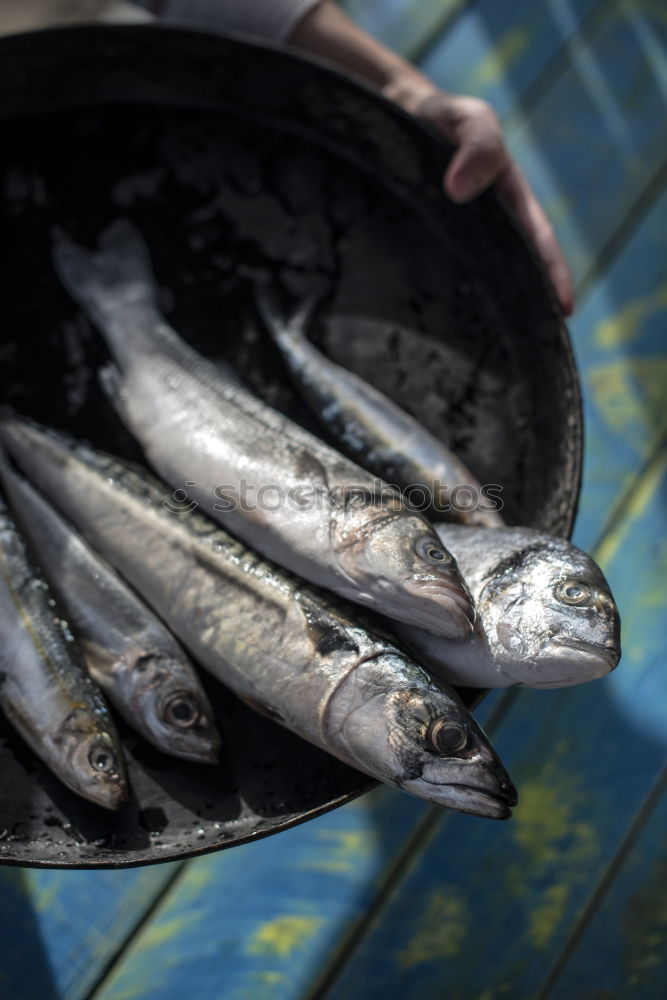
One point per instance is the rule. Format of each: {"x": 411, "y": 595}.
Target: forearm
{"x": 326, "y": 30}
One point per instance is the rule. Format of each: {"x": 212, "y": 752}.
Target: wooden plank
{"x": 497, "y": 52}
{"x": 406, "y": 26}
{"x": 619, "y": 340}
{"x": 600, "y": 130}
{"x": 622, "y": 955}
{"x": 483, "y": 911}
{"x": 265, "y": 913}
{"x": 67, "y": 925}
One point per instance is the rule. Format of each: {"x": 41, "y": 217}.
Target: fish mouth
{"x": 595, "y": 660}
{"x": 444, "y": 609}
{"x": 465, "y": 798}
{"x": 109, "y": 795}
{"x": 205, "y": 754}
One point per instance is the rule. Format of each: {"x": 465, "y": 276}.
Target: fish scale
{"x": 44, "y": 689}
{"x": 204, "y": 432}
{"x": 280, "y": 644}
{"x": 127, "y": 650}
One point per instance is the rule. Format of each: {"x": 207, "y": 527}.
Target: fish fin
{"x": 119, "y": 271}
{"x": 111, "y": 382}
{"x": 258, "y": 706}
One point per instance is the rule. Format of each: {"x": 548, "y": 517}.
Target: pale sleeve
{"x": 268, "y": 18}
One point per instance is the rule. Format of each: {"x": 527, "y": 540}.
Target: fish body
{"x": 299, "y": 654}
{"x": 372, "y": 429}
{"x": 128, "y": 652}
{"x": 262, "y": 476}
{"x": 44, "y": 689}
{"x": 545, "y": 614}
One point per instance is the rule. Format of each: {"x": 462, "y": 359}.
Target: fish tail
{"x": 281, "y": 326}
{"x": 117, "y": 275}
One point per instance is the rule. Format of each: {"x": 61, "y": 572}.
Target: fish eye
{"x": 432, "y": 552}
{"x": 102, "y": 759}
{"x": 573, "y": 592}
{"x": 181, "y": 710}
{"x": 446, "y": 737}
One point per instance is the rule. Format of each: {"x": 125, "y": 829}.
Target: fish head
{"x": 549, "y": 616}
{"x": 422, "y": 739}
{"x": 395, "y": 559}
{"x": 95, "y": 765}
{"x": 175, "y": 712}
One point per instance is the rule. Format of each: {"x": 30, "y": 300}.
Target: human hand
{"x": 481, "y": 161}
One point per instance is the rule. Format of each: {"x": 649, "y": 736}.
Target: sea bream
{"x": 271, "y": 482}
{"x": 371, "y": 428}
{"x": 136, "y": 661}
{"x": 298, "y": 654}
{"x": 545, "y": 614}
{"x": 45, "y": 691}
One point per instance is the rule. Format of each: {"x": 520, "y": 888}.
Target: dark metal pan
{"x": 236, "y": 159}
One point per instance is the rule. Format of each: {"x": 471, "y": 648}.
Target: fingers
{"x": 472, "y": 126}
{"x": 480, "y": 157}
{"x": 480, "y": 161}
{"x": 516, "y": 194}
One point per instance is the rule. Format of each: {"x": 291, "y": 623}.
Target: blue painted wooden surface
{"x": 66, "y": 925}
{"x": 622, "y": 952}
{"x": 498, "y": 51}
{"x": 386, "y": 896}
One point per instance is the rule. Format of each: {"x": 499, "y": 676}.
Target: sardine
{"x": 545, "y": 614}
{"x": 129, "y": 653}
{"x": 272, "y": 483}
{"x": 297, "y": 654}
{"x": 44, "y": 689}
{"x": 371, "y": 428}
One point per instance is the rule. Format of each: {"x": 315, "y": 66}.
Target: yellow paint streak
{"x": 160, "y": 932}
{"x": 630, "y": 395}
{"x": 548, "y": 914}
{"x": 626, "y": 325}
{"x": 43, "y": 898}
{"x": 271, "y": 978}
{"x": 493, "y": 67}
{"x": 556, "y": 847}
{"x": 347, "y": 849}
{"x": 283, "y": 935}
{"x": 642, "y": 493}
{"x": 440, "y": 931}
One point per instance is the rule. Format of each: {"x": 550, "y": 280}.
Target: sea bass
{"x": 372, "y": 429}
{"x": 298, "y": 654}
{"x": 44, "y": 689}
{"x": 545, "y": 614}
{"x": 128, "y": 651}
{"x": 272, "y": 483}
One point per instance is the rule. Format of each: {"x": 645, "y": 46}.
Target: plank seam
{"x": 626, "y": 229}
{"x": 625, "y": 498}
{"x": 421, "y": 49}
{"x": 596, "y": 898}
{"x": 360, "y": 928}
{"x": 117, "y": 956}
{"x": 564, "y": 57}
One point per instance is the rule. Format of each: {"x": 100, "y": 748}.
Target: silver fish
{"x": 278, "y": 643}
{"x": 545, "y": 614}
{"x": 370, "y": 427}
{"x": 268, "y": 480}
{"x": 128, "y": 651}
{"x": 44, "y": 689}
